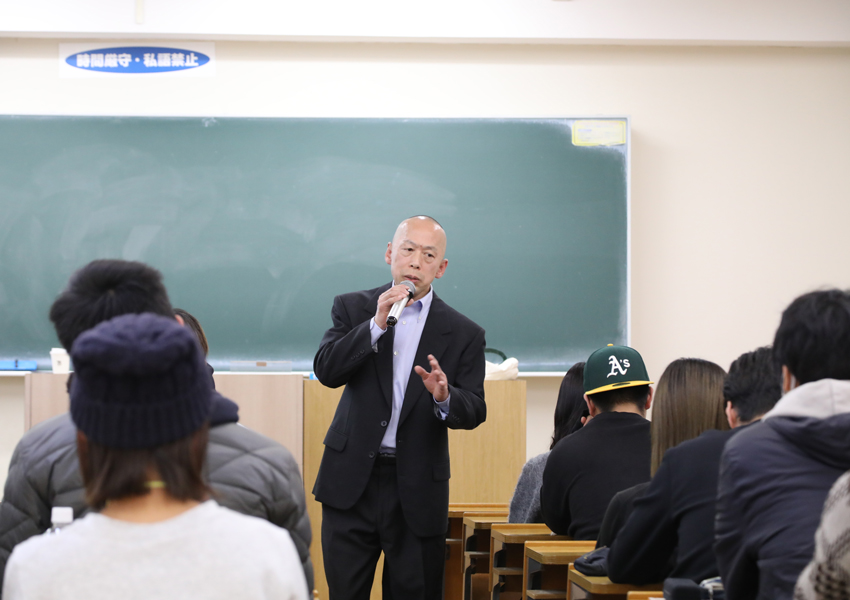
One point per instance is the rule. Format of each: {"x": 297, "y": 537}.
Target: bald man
{"x": 384, "y": 478}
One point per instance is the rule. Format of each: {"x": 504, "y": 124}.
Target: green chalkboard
{"x": 257, "y": 223}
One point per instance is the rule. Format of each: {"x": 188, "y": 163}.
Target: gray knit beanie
{"x": 140, "y": 380}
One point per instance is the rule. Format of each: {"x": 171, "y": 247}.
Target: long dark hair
{"x": 571, "y": 406}
{"x": 688, "y": 401}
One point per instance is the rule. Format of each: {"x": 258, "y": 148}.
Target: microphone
{"x": 395, "y": 311}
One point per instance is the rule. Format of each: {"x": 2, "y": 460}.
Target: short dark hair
{"x": 193, "y": 324}
{"x": 571, "y": 406}
{"x": 104, "y": 289}
{"x": 813, "y": 339}
{"x": 753, "y": 383}
{"x": 606, "y": 401}
{"x": 115, "y": 473}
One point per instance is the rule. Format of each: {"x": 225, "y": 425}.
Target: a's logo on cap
{"x": 616, "y": 366}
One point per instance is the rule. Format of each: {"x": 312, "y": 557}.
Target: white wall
{"x": 791, "y": 22}
{"x": 740, "y": 194}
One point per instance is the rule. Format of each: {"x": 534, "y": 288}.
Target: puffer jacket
{"x": 248, "y": 472}
{"x": 774, "y": 479}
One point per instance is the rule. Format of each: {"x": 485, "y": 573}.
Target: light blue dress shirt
{"x": 408, "y": 332}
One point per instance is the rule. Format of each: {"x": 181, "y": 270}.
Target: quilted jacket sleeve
{"x": 43, "y": 473}
{"x": 257, "y": 476}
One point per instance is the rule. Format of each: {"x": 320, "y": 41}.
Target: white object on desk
{"x": 60, "y": 360}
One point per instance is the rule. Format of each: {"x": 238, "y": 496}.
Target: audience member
{"x": 249, "y": 472}
{"x": 671, "y": 529}
{"x": 569, "y": 410}
{"x": 609, "y": 454}
{"x": 775, "y": 475}
{"x": 140, "y": 400}
{"x": 827, "y": 577}
{"x": 688, "y": 401}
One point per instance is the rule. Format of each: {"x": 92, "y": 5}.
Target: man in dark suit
{"x": 384, "y": 477}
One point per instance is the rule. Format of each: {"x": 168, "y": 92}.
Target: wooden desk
{"x": 453, "y": 579}
{"x": 595, "y": 588}
{"x": 546, "y": 565}
{"x": 507, "y": 545}
{"x": 476, "y": 552}
{"x": 644, "y": 595}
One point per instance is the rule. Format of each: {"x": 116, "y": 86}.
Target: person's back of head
{"x": 752, "y": 386}
{"x": 813, "y": 338}
{"x": 571, "y": 406}
{"x": 104, "y": 289}
{"x": 688, "y": 401}
{"x": 615, "y": 379}
{"x": 141, "y": 397}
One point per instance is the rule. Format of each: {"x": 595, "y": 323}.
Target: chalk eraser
{"x": 18, "y": 365}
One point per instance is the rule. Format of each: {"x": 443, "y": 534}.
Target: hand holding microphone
{"x": 392, "y": 302}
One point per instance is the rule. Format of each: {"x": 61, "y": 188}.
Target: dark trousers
{"x": 352, "y": 541}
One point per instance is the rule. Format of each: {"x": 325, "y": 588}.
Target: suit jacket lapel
{"x": 434, "y": 340}
{"x": 384, "y": 358}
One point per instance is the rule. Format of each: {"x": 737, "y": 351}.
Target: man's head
{"x": 104, "y": 289}
{"x": 417, "y": 253}
{"x": 752, "y": 386}
{"x": 813, "y": 339}
{"x": 140, "y": 398}
{"x": 615, "y": 379}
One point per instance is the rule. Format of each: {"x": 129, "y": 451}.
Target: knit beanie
{"x": 140, "y": 380}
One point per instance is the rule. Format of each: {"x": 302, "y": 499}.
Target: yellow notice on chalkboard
{"x": 599, "y": 133}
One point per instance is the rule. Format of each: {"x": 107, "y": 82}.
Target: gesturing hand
{"x": 435, "y": 381}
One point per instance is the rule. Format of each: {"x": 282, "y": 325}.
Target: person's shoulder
{"x": 48, "y": 437}
{"x": 246, "y": 529}
{"x": 232, "y": 444}
{"x": 47, "y": 548}
{"x": 456, "y": 317}
{"x": 362, "y": 295}
{"x": 711, "y": 438}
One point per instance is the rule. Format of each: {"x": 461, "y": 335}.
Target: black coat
{"x": 774, "y": 479}
{"x": 674, "y": 516}
{"x": 587, "y": 468}
{"x": 346, "y": 357}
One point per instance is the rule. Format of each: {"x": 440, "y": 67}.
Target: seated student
{"x": 775, "y": 474}
{"x": 609, "y": 454}
{"x": 827, "y": 577}
{"x": 569, "y": 410}
{"x": 688, "y": 400}
{"x": 140, "y": 400}
{"x": 674, "y": 520}
{"x": 250, "y": 473}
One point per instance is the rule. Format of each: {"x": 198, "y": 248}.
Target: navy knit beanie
{"x": 140, "y": 380}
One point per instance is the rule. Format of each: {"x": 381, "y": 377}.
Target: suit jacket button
{"x": 371, "y": 455}
{"x": 383, "y": 423}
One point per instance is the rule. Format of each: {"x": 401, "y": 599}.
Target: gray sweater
{"x": 525, "y": 504}
{"x": 206, "y": 552}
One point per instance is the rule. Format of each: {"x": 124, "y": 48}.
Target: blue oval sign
{"x": 137, "y": 59}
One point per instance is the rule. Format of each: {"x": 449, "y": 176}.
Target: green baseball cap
{"x": 614, "y": 367}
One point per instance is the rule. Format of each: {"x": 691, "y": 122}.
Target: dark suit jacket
{"x": 346, "y": 357}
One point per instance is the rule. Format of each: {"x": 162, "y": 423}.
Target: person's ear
{"x": 789, "y": 382}
{"x": 591, "y": 406}
{"x": 180, "y": 320}
{"x": 388, "y": 256}
{"x": 442, "y": 268}
{"x": 732, "y": 416}
{"x": 648, "y": 399}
